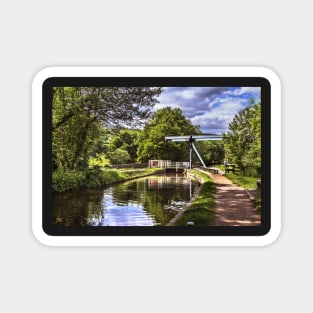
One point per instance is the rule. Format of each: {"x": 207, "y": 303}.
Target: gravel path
{"x": 233, "y": 206}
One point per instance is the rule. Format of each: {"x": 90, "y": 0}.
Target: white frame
{"x": 45, "y": 239}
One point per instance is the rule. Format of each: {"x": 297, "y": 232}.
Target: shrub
{"x": 67, "y": 180}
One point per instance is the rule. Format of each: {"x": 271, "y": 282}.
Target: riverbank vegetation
{"x": 96, "y": 177}
{"x": 243, "y": 181}
{"x": 201, "y": 211}
{"x": 248, "y": 182}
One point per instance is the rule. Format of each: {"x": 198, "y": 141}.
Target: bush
{"x": 67, "y": 180}
{"x": 94, "y": 177}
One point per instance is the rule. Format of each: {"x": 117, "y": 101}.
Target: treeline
{"x": 83, "y": 118}
{"x": 131, "y": 146}
{"x": 102, "y": 127}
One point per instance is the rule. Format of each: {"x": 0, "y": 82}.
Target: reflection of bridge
{"x": 166, "y": 182}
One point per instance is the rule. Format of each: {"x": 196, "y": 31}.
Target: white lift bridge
{"x": 191, "y": 139}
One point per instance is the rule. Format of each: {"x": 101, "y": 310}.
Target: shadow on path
{"x": 233, "y": 206}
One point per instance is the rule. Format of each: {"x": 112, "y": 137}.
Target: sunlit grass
{"x": 243, "y": 181}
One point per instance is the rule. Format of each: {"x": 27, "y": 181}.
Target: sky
{"x": 212, "y": 108}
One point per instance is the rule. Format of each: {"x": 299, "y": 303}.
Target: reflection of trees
{"x": 76, "y": 208}
{"x": 160, "y": 196}
{"x": 154, "y": 203}
{"x": 127, "y": 191}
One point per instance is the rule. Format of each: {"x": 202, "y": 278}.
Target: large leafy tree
{"x": 83, "y": 116}
{"x": 243, "y": 139}
{"x": 165, "y": 122}
{"x": 125, "y": 139}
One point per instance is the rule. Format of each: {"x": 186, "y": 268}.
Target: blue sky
{"x": 212, "y": 108}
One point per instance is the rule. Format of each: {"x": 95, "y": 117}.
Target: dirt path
{"x": 233, "y": 206}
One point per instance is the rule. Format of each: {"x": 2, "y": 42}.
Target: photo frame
{"x": 71, "y": 229}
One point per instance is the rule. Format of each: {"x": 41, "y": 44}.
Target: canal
{"x": 149, "y": 201}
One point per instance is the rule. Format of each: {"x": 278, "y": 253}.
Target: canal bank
{"x": 71, "y": 180}
{"x": 195, "y": 195}
{"x": 200, "y": 209}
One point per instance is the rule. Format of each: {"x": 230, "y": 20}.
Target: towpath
{"x": 233, "y": 206}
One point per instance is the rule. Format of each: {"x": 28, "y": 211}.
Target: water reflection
{"x": 149, "y": 201}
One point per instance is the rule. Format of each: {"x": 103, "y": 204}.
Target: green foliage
{"x": 67, "y": 180}
{"x": 82, "y": 119}
{"x": 95, "y": 177}
{"x": 212, "y": 152}
{"x": 127, "y": 140}
{"x": 119, "y": 156}
{"x": 100, "y": 160}
{"x": 243, "y": 140}
{"x": 201, "y": 212}
{"x": 165, "y": 122}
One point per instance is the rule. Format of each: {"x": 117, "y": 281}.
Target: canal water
{"x": 148, "y": 201}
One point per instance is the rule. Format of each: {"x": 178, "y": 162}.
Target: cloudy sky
{"x": 212, "y": 108}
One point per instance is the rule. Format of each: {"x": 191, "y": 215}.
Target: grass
{"x": 243, "y": 181}
{"x": 201, "y": 212}
{"x": 130, "y": 173}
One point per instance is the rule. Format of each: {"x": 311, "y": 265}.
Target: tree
{"x": 165, "y": 122}
{"x": 126, "y": 139}
{"x": 119, "y": 156}
{"x": 243, "y": 139}
{"x": 83, "y": 116}
{"x": 214, "y": 152}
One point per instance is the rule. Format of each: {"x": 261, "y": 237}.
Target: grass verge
{"x": 201, "y": 211}
{"x": 243, "y": 181}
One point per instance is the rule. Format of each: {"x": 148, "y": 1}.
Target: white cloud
{"x": 218, "y": 118}
{"x": 253, "y": 91}
{"x": 212, "y": 108}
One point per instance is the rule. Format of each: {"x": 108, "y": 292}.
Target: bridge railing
{"x": 176, "y": 165}
{"x": 168, "y": 164}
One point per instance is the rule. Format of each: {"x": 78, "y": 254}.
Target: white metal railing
{"x": 168, "y": 164}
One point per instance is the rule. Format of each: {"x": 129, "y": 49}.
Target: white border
{"x": 156, "y": 72}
